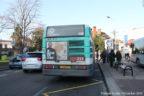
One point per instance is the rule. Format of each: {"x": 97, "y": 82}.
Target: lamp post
{"x": 114, "y": 34}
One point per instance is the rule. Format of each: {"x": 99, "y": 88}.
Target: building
{"x": 5, "y": 44}
{"x": 136, "y": 33}
{"x": 119, "y": 45}
{"x": 105, "y": 36}
{"x": 5, "y": 47}
{"x": 98, "y": 32}
{"x": 108, "y": 42}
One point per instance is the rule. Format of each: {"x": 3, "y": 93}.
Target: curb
{"x": 111, "y": 85}
{"x": 107, "y": 88}
{"x": 4, "y": 68}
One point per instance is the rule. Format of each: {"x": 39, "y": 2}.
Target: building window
{"x": 5, "y": 45}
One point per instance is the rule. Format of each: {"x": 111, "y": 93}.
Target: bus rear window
{"x": 65, "y": 31}
{"x": 76, "y": 43}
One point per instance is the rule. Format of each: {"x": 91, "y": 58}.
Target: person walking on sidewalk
{"x": 118, "y": 56}
{"x": 111, "y": 57}
{"x": 97, "y": 55}
{"x": 103, "y": 55}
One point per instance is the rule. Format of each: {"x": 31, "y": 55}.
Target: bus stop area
{"x": 120, "y": 85}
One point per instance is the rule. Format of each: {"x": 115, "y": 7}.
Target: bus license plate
{"x": 65, "y": 67}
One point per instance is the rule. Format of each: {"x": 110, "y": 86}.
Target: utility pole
{"x": 114, "y": 40}
{"x": 114, "y": 34}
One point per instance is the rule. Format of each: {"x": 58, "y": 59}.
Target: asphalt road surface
{"x": 16, "y": 83}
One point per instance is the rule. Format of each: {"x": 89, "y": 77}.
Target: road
{"x": 16, "y": 83}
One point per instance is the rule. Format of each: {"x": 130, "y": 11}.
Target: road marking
{"x": 61, "y": 90}
{"x": 95, "y": 80}
{"x": 17, "y": 71}
{"x": 39, "y": 92}
{"x": 3, "y": 75}
{"x": 9, "y": 71}
{"x": 6, "y": 71}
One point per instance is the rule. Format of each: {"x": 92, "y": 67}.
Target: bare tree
{"x": 23, "y": 14}
{"x": 3, "y": 23}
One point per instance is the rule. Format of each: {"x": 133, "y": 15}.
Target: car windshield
{"x": 39, "y": 55}
{"x": 23, "y": 55}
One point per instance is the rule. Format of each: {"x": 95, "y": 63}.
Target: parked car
{"x": 16, "y": 61}
{"x": 33, "y": 61}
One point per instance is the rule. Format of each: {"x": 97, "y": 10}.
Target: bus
{"x": 138, "y": 51}
{"x": 68, "y": 50}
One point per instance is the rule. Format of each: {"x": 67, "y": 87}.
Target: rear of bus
{"x": 68, "y": 51}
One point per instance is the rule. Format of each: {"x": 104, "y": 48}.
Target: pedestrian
{"x": 111, "y": 57}
{"x": 97, "y": 55}
{"x": 118, "y": 56}
{"x": 126, "y": 54}
{"x": 107, "y": 57}
{"x": 103, "y": 55}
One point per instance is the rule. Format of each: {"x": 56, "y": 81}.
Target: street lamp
{"x": 114, "y": 34}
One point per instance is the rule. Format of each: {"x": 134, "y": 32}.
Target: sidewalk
{"x": 128, "y": 85}
{"x": 4, "y": 67}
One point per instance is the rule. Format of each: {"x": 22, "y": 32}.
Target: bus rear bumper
{"x": 75, "y": 73}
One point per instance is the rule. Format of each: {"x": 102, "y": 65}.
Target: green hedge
{"x": 4, "y": 57}
{"x": 4, "y": 61}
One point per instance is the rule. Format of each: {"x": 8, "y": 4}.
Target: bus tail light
{"x": 77, "y": 58}
{"x": 82, "y": 67}
{"x": 49, "y": 67}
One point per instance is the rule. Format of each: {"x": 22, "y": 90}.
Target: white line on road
{"x": 5, "y": 71}
{"x": 3, "y": 75}
{"x": 39, "y": 92}
{"x": 9, "y": 71}
{"x": 17, "y": 71}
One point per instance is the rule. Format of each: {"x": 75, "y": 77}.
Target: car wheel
{"x": 25, "y": 71}
{"x": 10, "y": 67}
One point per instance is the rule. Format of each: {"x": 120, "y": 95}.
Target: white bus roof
{"x": 139, "y": 43}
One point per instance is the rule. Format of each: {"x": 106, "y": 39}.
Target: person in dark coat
{"x": 111, "y": 57}
{"x": 103, "y": 56}
{"x": 118, "y": 56}
{"x": 97, "y": 54}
